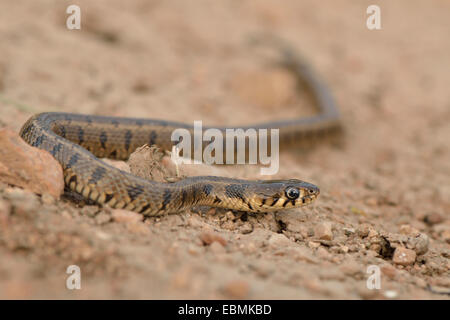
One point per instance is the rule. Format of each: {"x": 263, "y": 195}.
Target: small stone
{"x": 375, "y": 247}
{"x": 408, "y": 230}
{"x": 210, "y": 237}
{"x": 322, "y": 253}
{"x": 344, "y": 249}
{"x": 125, "y": 216}
{"x": 323, "y": 231}
{"x": 372, "y": 234}
{"x": 29, "y": 167}
{"x": 351, "y": 268}
{"x": 48, "y": 199}
{"x": 246, "y": 228}
{"x": 216, "y": 248}
{"x": 313, "y": 245}
{"x": 419, "y": 243}
{"x": 404, "y": 256}
{"x": 349, "y": 231}
{"x": 102, "y": 218}
{"x": 390, "y": 294}
{"x": 279, "y": 240}
{"x": 137, "y": 227}
{"x": 89, "y": 211}
{"x": 363, "y": 230}
{"x": 237, "y": 289}
{"x": 433, "y": 218}
{"x": 389, "y": 271}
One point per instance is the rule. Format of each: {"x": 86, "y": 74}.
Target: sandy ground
{"x": 387, "y": 185}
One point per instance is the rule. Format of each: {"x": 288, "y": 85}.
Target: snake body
{"x": 77, "y": 141}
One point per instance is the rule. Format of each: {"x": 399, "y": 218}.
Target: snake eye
{"x": 311, "y": 191}
{"x": 292, "y": 193}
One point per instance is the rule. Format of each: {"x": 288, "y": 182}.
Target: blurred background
{"x": 190, "y": 60}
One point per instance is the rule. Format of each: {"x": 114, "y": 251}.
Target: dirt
{"x": 385, "y": 187}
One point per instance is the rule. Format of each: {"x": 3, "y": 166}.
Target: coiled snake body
{"x": 77, "y": 140}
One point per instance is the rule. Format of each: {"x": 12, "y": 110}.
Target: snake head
{"x": 271, "y": 195}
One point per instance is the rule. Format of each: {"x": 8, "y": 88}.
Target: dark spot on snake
{"x": 38, "y": 141}
{"x": 207, "y": 188}
{"x": 144, "y": 208}
{"x": 56, "y": 149}
{"x": 62, "y": 132}
{"x": 183, "y": 198}
{"x": 134, "y": 191}
{"x": 236, "y": 191}
{"x": 167, "y": 196}
{"x": 128, "y": 136}
{"x": 293, "y": 202}
{"x": 80, "y": 135}
{"x": 73, "y": 159}
{"x": 25, "y": 131}
{"x": 98, "y": 174}
{"x": 285, "y": 203}
{"x": 303, "y": 200}
{"x": 108, "y": 197}
{"x": 153, "y": 137}
{"x": 217, "y": 200}
{"x": 263, "y": 201}
{"x": 249, "y": 206}
{"x": 113, "y": 154}
{"x": 275, "y": 200}
{"x": 73, "y": 179}
{"x": 103, "y": 139}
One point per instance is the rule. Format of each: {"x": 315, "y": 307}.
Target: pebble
{"x": 48, "y": 199}
{"x": 102, "y": 218}
{"x": 419, "y": 243}
{"x": 89, "y": 211}
{"x": 433, "y": 218}
{"x": 389, "y": 271}
{"x": 279, "y": 240}
{"x": 351, "y": 268}
{"x": 208, "y": 238}
{"x": 323, "y": 231}
{"x": 390, "y": 294}
{"x": 313, "y": 245}
{"x": 349, "y": 231}
{"x": 363, "y": 230}
{"x": 237, "y": 289}
{"x": 246, "y": 228}
{"x": 403, "y": 256}
{"x": 125, "y": 216}
{"x": 139, "y": 228}
{"x": 408, "y": 230}
{"x": 28, "y": 167}
{"x": 216, "y": 247}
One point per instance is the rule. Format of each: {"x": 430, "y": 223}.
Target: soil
{"x": 386, "y": 186}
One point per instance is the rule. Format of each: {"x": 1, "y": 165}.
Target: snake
{"x": 78, "y": 141}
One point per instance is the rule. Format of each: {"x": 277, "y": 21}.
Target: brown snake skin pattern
{"x": 77, "y": 142}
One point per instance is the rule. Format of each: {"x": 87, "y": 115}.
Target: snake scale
{"x": 78, "y": 141}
